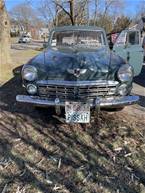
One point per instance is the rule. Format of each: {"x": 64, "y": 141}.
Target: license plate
{"x": 77, "y": 112}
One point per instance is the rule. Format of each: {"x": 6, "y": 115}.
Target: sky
{"x": 131, "y": 5}
{"x": 11, "y": 3}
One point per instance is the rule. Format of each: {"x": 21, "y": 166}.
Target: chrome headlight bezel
{"x": 31, "y": 89}
{"x": 29, "y": 73}
{"x": 125, "y": 73}
{"x": 122, "y": 89}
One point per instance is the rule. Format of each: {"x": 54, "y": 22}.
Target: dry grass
{"x": 19, "y": 57}
{"x": 40, "y": 154}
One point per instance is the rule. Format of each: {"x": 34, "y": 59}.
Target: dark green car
{"x": 78, "y": 71}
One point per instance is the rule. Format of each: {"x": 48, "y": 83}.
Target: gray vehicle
{"x": 78, "y": 72}
{"x": 24, "y": 39}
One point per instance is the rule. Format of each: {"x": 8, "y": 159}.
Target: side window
{"x": 133, "y": 37}
{"x": 121, "y": 38}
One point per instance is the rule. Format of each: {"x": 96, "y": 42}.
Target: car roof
{"x": 63, "y": 28}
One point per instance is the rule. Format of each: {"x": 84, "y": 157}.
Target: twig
{"x": 118, "y": 149}
{"x": 24, "y": 171}
{"x": 87, "y": 178}
{"x": 17, "y": 139}
{"x": 128, "y": 168}
{"x": 5, "y": 188}
{"x": 40, "y": 161}
{"x": 128, "y": 154}
{"x": 47, "y": 179}
{"x": 141, "y": 134}
{"x": 142, "y": 145}
{"x": 59, "y": 163}
{"x": 81, "y": 167}
{"x": 114, "y": 158}
{"x": 56, "y": 187}
{"x": 52, "y": 158}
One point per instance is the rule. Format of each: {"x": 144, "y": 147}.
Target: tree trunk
{"x": 5, "y": 61}
{"x": 72, "y": 12}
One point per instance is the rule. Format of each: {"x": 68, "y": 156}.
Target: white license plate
{"x": 77, "y": 112}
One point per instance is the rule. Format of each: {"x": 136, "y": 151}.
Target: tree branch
{"x": 65, "y": 11}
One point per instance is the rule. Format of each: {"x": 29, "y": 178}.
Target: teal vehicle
{"x": 78, "y": 72}
{"x": 128, "y": 45}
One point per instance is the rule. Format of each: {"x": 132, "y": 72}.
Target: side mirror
{"x": 45, "y": 45}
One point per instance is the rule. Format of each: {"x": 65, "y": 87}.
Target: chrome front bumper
{"x": 111, "y": 102}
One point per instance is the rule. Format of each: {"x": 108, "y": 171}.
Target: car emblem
{"x": 77, "y": 72}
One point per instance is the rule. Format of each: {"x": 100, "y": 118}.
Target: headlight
{"x": 31, "y": 89}
{"x": 125, "y": 73}
{"x": 29, "y": 73}
{"x": 122, "y": 89}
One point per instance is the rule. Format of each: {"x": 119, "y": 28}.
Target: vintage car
{"x": 78, "y": 72}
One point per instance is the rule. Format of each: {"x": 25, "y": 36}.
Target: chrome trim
{"x": 77, "y": 83}
{"x": 108, "y": 102}
{"x": 71, "y": 90}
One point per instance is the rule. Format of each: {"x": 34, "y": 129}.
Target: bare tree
{"x": 121, "y": 23}
{"x": 48, "y": 11}
{"x": 25, "y": 15}
{"x": 68, "y": 8}
{"x": 96, "y": 2}
{"x": 81, "y": 12}
{"x": 76, "y": 10}
{"x": 57, "y": 11}
{"x": 105, "y": 8}
{"x": 141, "y": 8}
{"x": 5, "y": 60}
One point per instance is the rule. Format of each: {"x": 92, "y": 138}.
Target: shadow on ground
{"x": 141, "y": 101}
{"x": 140, "y": 79}
{"x": 39, "y": 153}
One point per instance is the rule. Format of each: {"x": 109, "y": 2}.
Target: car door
{"x": 128, "y": 45}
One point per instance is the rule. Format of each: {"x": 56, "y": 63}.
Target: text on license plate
{"x": 77, "y": 112}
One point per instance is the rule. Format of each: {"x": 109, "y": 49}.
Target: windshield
{"x": 78, "y": 38}
{"x": 25, "y": 36}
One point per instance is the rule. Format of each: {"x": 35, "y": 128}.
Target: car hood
{"x": 61, "y": 64}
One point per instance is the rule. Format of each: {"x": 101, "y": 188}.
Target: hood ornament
{"x": 77, "y": 71}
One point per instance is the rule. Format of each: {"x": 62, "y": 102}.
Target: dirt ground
{"x": 41, "y": 153}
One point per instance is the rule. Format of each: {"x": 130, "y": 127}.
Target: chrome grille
{"x": 76, "y": 90}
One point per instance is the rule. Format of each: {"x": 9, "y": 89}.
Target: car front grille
{"x": 76, "y": 90}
